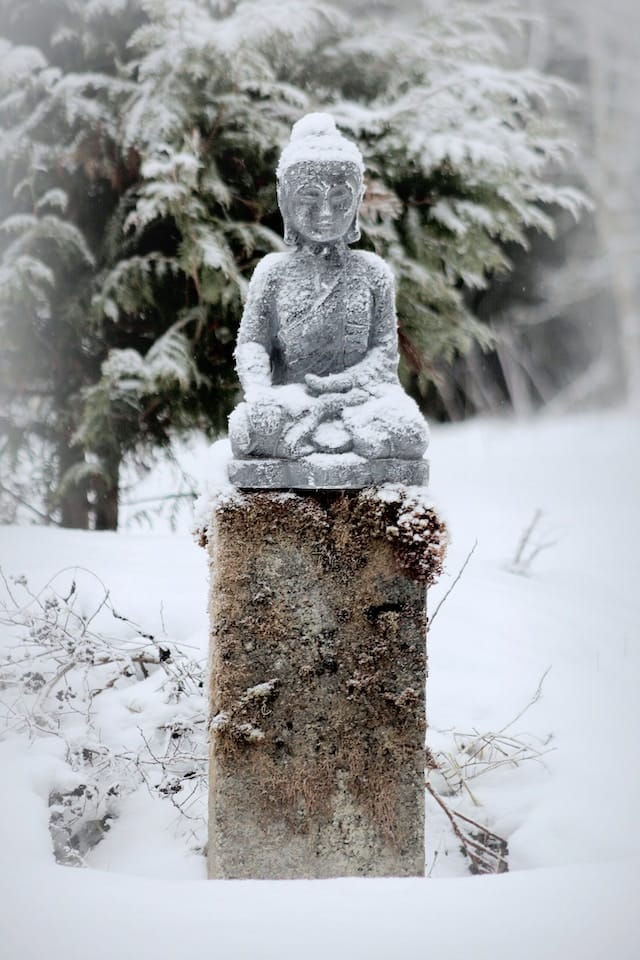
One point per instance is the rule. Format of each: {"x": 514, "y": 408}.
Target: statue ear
{"x": 353, "y": 233}
{"x": 291, "y": 237}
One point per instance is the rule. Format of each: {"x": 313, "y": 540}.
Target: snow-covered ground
{"x": 569, "y": 813}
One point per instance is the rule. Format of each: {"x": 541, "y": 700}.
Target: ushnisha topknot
{"x": 315, "y": 137}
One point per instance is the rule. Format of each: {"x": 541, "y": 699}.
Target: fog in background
{"x": 568, "y": 317}
{"x": 596, "y": 285}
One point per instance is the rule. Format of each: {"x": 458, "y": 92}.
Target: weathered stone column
{"x": 318, "y": 667}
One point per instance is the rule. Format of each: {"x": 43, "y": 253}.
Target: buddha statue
{"x": 317, "y": 351}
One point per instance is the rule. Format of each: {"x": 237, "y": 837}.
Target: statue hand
{"x": 354, "y": 397}
{"x": 332, "y": 383}
{"x": 328, "y": 405}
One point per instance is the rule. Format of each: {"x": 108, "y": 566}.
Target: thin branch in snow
{"x": 190, "y": 495}
{"x": 527, "y": 551}
{"x": 534, "y": 699}
{"x": 48, "y": 519}
{"x": 455, "y": 581}
{"x": 486, "y": 851}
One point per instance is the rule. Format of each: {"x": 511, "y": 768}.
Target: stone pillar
{"x": 318, "y": 668}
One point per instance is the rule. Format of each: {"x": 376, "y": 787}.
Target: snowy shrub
{"x": 450, "y": 774}
{"x": 128, "y": 707}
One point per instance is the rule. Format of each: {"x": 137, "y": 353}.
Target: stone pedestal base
{"x": 317, "y": 684}
{"x": 325, "y": 471}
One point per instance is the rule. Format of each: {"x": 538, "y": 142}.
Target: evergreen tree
{"x": 62, "y": 174}
{"x": 181, "y": 128}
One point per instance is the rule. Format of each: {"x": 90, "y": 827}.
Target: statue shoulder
{"x": 374, "y": 268}
{"x": 268, "y": 271}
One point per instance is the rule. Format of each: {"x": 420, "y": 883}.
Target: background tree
{"x": 180, "y": 133}
{"x": 63, "y": 171}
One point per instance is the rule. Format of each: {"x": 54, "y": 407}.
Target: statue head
{"x": 320, "y": 183}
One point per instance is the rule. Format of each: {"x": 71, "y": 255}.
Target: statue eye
{"x": 309, "y": 195}
{"x": 340, "y": 196}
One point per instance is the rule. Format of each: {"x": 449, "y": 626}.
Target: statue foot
{"x": 239, "y": 432}
{"x": 255, "y": 429}
{"x": 294, "y": 445}
{"x": 374, "y": 450}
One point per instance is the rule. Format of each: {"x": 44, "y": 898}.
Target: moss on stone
{"x": 321, "y": 772}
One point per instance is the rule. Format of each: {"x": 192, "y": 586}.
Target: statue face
{"x": 322, "y": 200}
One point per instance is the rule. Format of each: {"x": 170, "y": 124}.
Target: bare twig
{"x": 526, "y": 551}
{"x": 482, "y": 857}
{"x": 534, "y": 699}
{"x": 455, "y": 581}
{"x": 191, "y": 495}
{"x": 526, "y": 536}
{"x": 62, "y": 663}
{"x": 29, "y": 506}
{"x": 8, "y": 588}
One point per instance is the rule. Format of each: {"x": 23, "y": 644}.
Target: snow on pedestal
{"x": 318, "y": 667}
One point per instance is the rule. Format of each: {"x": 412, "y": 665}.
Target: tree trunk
{"x": 72, "y": 500}
{"x": 108, "y": 495}
{"x": 625, "y": 291}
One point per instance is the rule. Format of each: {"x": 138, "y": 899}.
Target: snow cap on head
{"x": 315, "y": 137}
